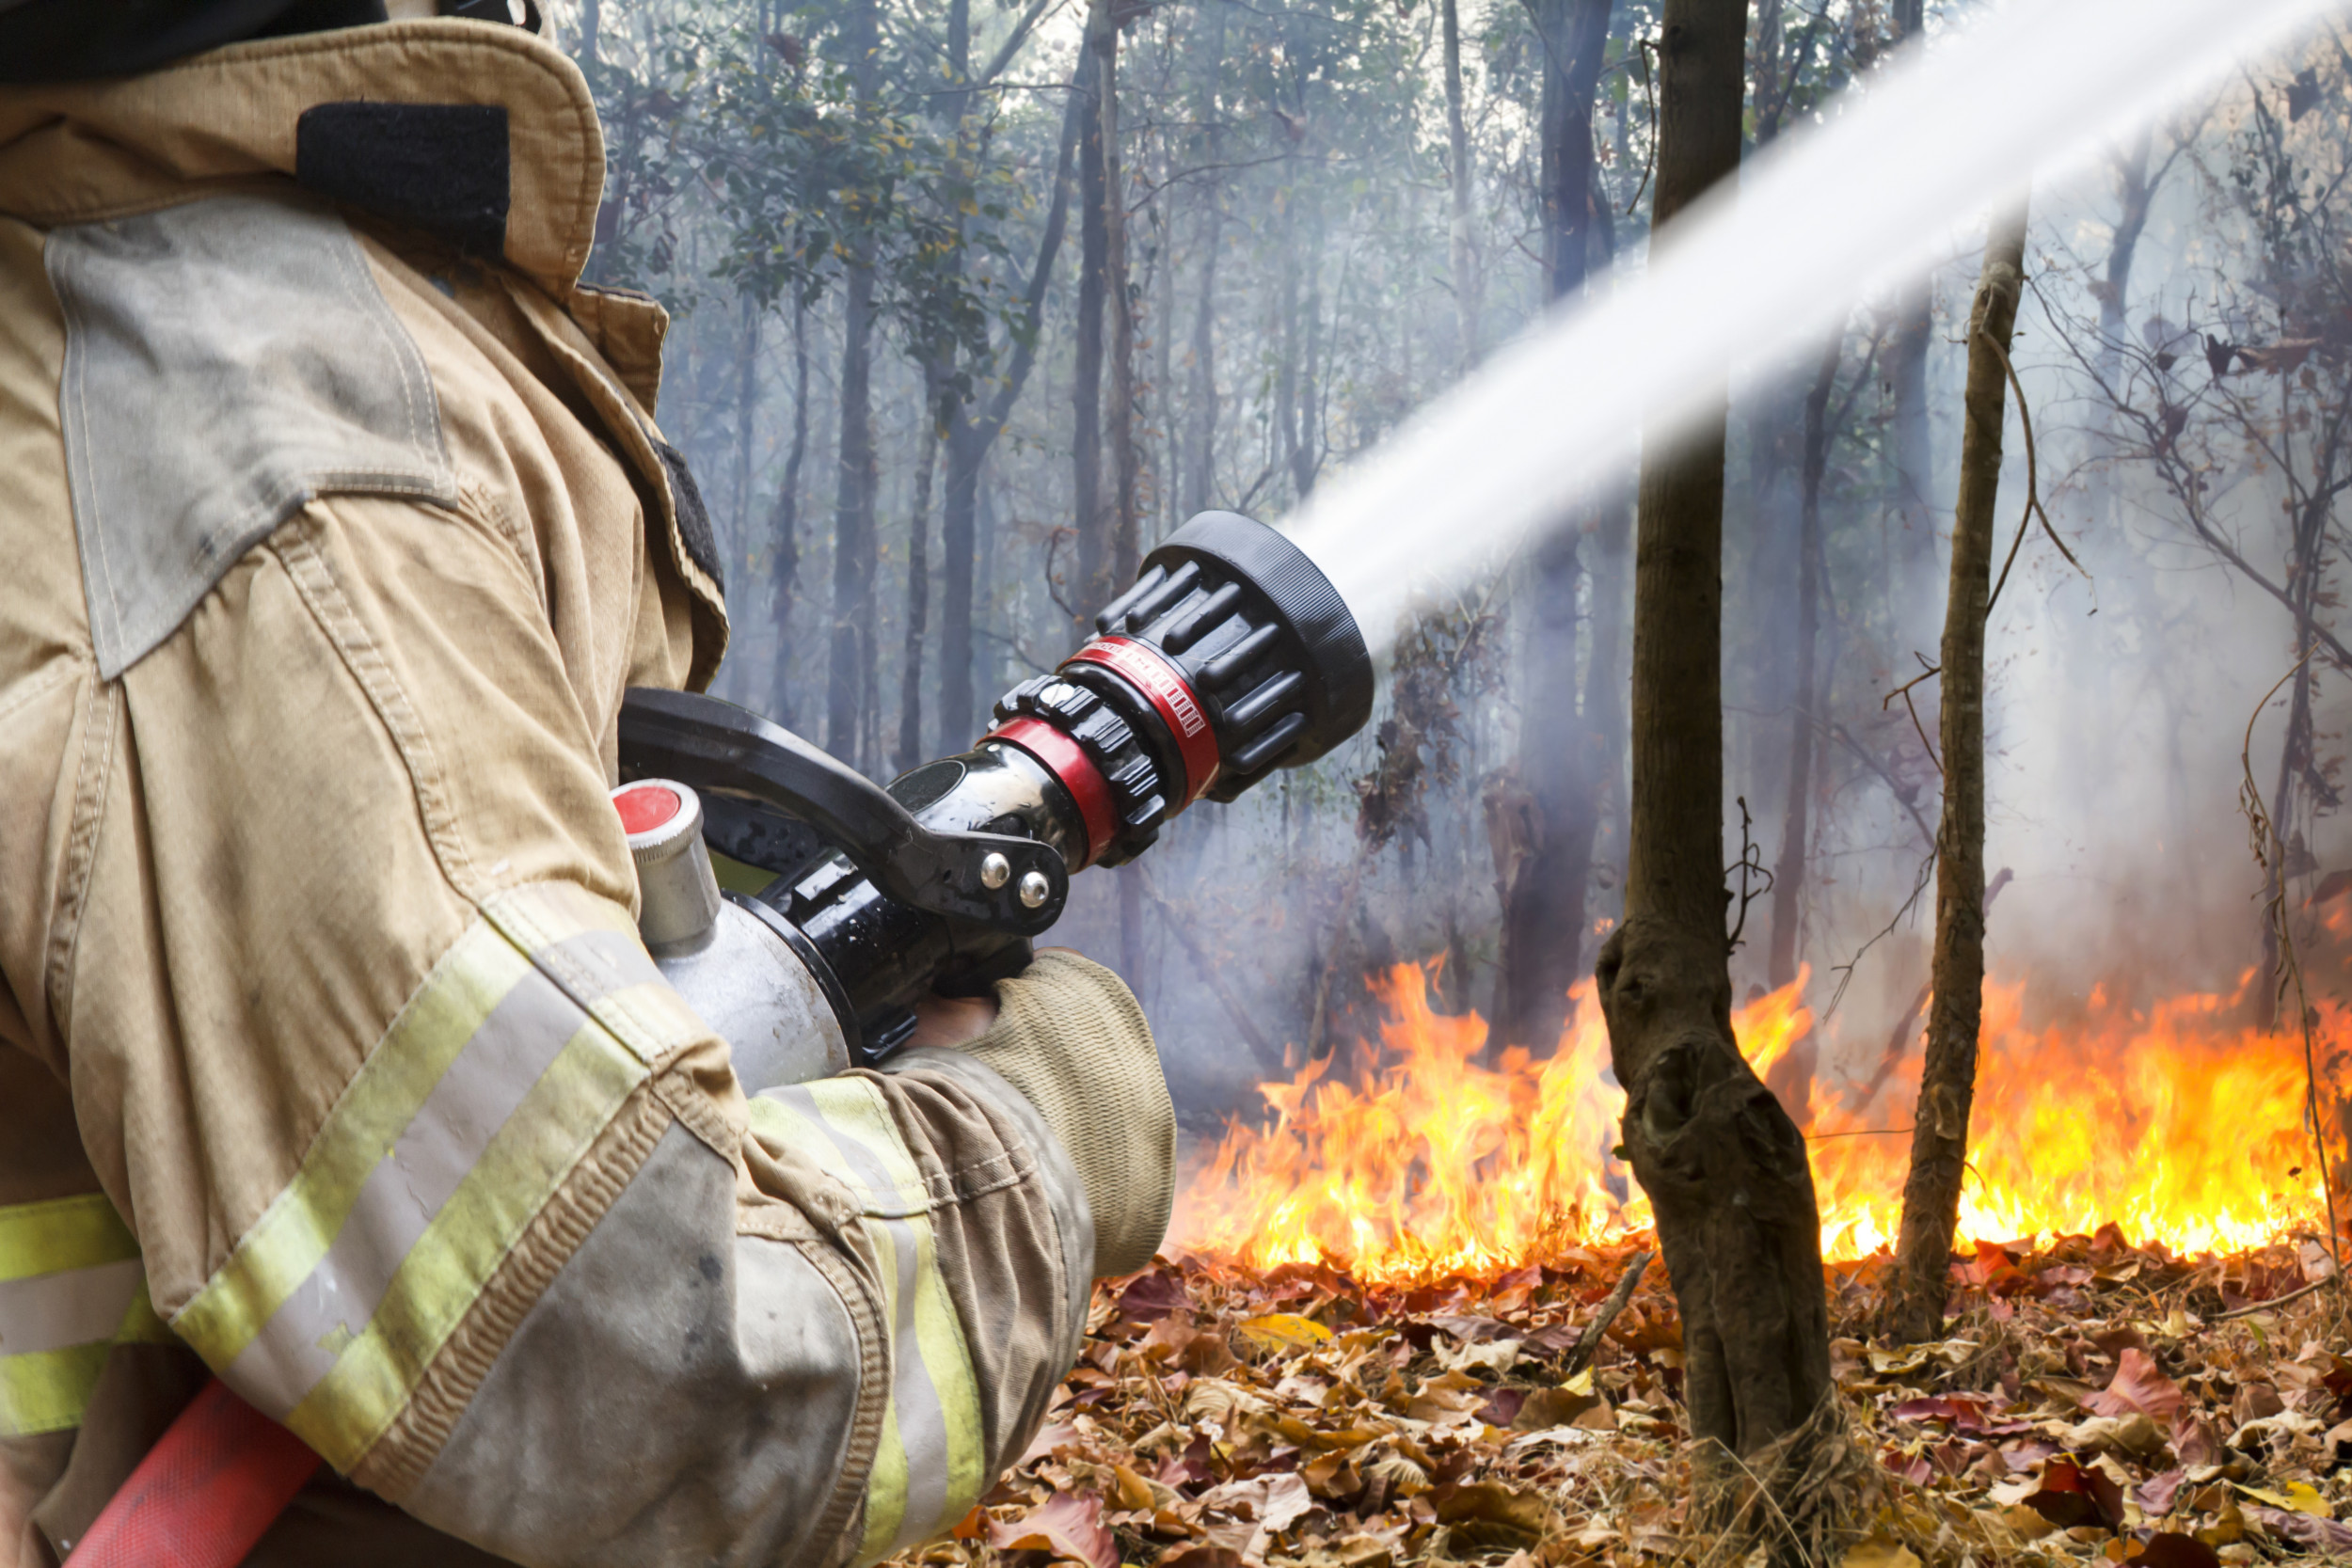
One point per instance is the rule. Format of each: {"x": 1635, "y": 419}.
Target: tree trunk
{"x": 1199, "y": 476}
{"x": 1543, "y": 917}
{"x": 746, "y": 411}
{"x": 971, "y": 434}
{"x": 1091, "y": 516}
{"x": 854, "y": 519}
{"x": 1939, "y": 1136}
{"x": 918, "y": 602}
{"x": 1119, "y": 431}
{"x": 783, "y": 574}
{"x": 1907, "y": 371}
{"x": 1723, "y": 1166}
{"x": 849, "y": 682}
{"x": 1458, "y": 177}
{"x": 1804, "y": 722}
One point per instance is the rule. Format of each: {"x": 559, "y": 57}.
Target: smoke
{"x": 1861, "y": 205}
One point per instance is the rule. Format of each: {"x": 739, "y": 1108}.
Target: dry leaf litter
{"x": 2095, "y": 1402}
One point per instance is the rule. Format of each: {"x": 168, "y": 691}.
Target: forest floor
{"x": 2095, "y": 1402}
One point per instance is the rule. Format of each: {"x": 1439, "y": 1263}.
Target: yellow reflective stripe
{"x": 556, "y": 923}
{"x": 48, "y": 1390}
{"x": 62, "y": 1233}
{"x": 292, "y": 1235}
{"x": 459, "y": 1128}
{"x": 929, "y": 1467}
{"x": 71, "y": 1289}
{"x": 448, "y": 1265}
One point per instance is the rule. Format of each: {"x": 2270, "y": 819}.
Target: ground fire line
{"x": 1412, "y": 1322}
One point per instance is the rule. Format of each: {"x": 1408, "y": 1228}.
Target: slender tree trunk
{"x": 1201, "y": 380}
{"x": 1463, "y": 256}
{"x": 1907, "y": 371}
{"x": 1803, "y": 715}
{"x": 969, "y": 435}
{"x": 1201, "y": 396}
{"x": 1939, "y": 1136}
{"x": 1544, "y": 917}
{"x": 918, "y": 602}
{"x": 849, "y": 685}
{"x": 1091, "y": 511}
{"x": 746, "y": 411}
{"x": 591, "y": 25}
{"x": 854, "y": 519}
{"x": 784, "y": 573}
{"x": 1118, "y": 426}
{"x": 1723, "y": 1166}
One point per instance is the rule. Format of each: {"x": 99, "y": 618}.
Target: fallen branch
{"x": 2274, "y": 1301}
{"x": 1588, "y": 1344}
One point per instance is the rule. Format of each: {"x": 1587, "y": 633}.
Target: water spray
{"x": 1745, "y": 279}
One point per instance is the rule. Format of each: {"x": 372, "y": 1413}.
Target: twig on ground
{"x": 2248, "y": 1311}
{"x": 1588, "y": 1344}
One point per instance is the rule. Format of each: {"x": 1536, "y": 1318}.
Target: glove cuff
{"x": 1070, "y": 1035}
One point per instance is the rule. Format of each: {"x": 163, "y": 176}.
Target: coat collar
{"x": 85, "y": 151}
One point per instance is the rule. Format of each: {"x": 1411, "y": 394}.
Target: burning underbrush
{"x": 1420, "y": 1155}
{"x": 1412, "y": 1320}
{"x": 2095, "y": 1403}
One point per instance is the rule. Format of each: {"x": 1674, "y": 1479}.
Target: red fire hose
{"x": 205, "y": 1493}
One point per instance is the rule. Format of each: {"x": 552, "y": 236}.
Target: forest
{"x": 2016, "y": 710}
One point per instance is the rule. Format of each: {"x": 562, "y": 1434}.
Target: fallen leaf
{"x": 2138, "y": 1385}
{"x": 1284, "y": 1331}
{"x": 2072, "y": 1495}
{"x": 1489, "y": 1516}
{"x": 2171, "y": 1549}
{"x": 1070, "y": 1524}
{"x": 1882, "y": 1551}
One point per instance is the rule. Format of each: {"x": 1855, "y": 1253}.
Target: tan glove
{"x": 1069, "y": 1037}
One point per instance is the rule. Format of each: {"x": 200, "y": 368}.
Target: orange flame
{"x": 2176, "y": 1123}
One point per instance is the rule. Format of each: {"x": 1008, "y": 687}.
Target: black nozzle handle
{"x": 988, "y": 878}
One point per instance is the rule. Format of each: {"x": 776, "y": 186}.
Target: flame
{"x": 1416, "y": 1157}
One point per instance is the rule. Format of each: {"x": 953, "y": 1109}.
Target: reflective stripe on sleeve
{"x": 928, "y": 1467}
{"x": 513, "y": 1055}
{"x": 72, "y": 1287}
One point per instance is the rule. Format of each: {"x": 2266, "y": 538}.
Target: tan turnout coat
{"x": 336, "y": 520}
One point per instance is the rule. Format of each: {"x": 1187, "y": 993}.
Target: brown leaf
{"x": 1070, "y": 1524}
{"x": 2072, "y": 1494}
{"x": 1553, "y": 1407}
{"x": 2171, "y": 1549}
{"x": 1489, "y": 1516}
{"x": 1152, "y": 1297}
{"x": 2138, "y": 1385}
{"x": 1200, "y": 1557}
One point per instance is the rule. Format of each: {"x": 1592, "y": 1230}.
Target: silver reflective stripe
{"x": 77, "y": 1306}
{"x": 407, "y": 1189}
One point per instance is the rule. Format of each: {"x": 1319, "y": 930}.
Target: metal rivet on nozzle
{"x": 1034, "y": 888}
{"x": 995, "y": 871}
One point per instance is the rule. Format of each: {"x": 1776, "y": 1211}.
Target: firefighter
{"x": 337, "y": 519}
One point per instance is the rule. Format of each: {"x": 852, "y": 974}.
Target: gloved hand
{"x": 1071, "y": 1037}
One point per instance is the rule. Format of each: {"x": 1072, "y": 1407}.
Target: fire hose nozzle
{"x": 1233, "y": 656}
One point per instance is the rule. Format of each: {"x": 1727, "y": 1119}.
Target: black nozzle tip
{"x": 1330, "y": 650}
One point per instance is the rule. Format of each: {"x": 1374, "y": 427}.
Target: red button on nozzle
{"x": 646, "y": 806}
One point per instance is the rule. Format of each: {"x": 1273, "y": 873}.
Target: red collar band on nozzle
{"x": 1147, "y": 670}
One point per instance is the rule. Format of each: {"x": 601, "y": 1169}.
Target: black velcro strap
{"x": 693, "y": 520}
{"x": 440, "y": 167}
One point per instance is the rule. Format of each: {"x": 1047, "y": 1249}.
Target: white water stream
{"x": 2035, "y": 89}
